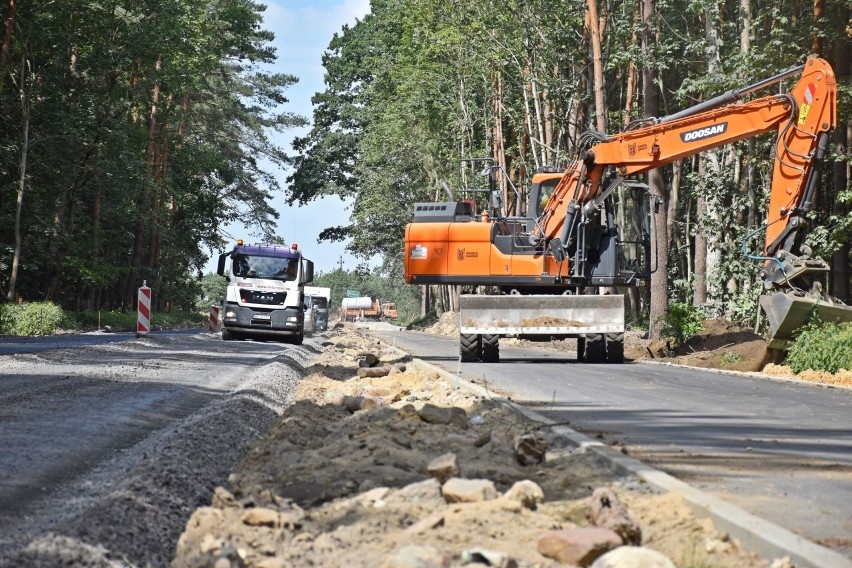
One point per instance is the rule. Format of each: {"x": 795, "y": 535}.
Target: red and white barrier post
{"x": 213, "y": 326}
{"x": 143, "y": 319}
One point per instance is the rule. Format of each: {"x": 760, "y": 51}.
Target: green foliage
{"x": 729, "y": 358}
{"x": 30, "y": 318}
{"x": 126, "y": 321}
{"x": 683, "y": 322}
{"x": 213, "y": 289}
{"x": 821, "y": 347}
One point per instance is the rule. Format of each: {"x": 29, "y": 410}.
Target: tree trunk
{"x": 651, "y": 97}
{"x": 22, "y": 183}
{"x": 597, "y": 64}
{"x": 6, "y": 50}
{"x": 842, "y": 136}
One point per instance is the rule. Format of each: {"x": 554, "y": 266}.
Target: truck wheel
{"x": 298, "y": 339}
{"x": 615, "y": 347}
{"x": 490, "y": 348}
{"x": 469, "y": 347}
{"x": 227, "y": 335}
{"x": 595, "y": 348}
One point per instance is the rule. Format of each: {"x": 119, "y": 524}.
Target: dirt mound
{"x": 720, "y": 345}
{"x": 330, "y": 487}
{"x": 447, "y": 324}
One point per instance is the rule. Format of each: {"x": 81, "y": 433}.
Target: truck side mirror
{"x": 308, "y": 271}
{"x": 221, "y": 268}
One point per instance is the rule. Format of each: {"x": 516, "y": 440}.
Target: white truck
{"x": 265, "y": 294}
{"x": 320, "y": 300}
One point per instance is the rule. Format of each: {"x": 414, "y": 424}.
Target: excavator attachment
{"x": 596, "y": 321}
{"x": 786, "y": 313}
{"x": 541, "y": 315}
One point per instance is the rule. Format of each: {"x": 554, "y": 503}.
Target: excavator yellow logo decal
{"x": 805, "y": 107}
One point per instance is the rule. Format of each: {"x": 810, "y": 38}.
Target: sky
{"x": 303, "y": 30}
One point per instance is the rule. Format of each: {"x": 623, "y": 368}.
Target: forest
{"x": 132, "y": 131}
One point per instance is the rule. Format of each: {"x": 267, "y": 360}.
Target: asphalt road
{"x": 780, "y": 450}
{"x": 70, "y": 405}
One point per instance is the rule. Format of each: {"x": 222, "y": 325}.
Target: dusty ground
{"x": 330, "y": 486}
{"x": 720, "y": 345}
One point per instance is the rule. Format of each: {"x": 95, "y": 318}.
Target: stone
{"x": 444, "y": 467}
{"x": 224, "y": 499}
{"x": 441, "y": 415}
{"x": 458, "y": 490}
{"x": 607, "y": 511}
{"x": 209, "y": 543}
{"x": 260, "y": 517}
{"x": 633, "y": 557}
{"x": 580, "y": 545}
{"x": 371, "y": 372}
{"x": 485, "y": 557}
{"x": 417, "y": 557}
{"x": 483, "y": 439}
{"x": 527, "y": 493}
{"x": 429, "y": 489}
{"x": 370, "y": 359}
{"x": 426, "y": 524}
{"x": 530, "y": 449}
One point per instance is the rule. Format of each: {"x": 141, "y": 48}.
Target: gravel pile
{"x": 132, "y": 509}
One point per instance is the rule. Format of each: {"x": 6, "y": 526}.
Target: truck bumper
{"x": 287, "y": 321}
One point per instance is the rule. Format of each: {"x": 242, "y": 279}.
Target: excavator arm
{"x": 802, "y": 117}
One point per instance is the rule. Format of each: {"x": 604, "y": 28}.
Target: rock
{"x": 407, "y": 411}
{"x": 224, "y": 499}
{"x": 633, "y": 557}
{"x": 432, "y": 521}
{"x": 378, "y": 391}
{"x": 527, "y": 493}
{"x": 784, "y": 562}
{"x": 260, "y": 517}
{"x": 369, "y": 359}
{"x": 441, "y": 415}
{"x": 530, "y": 449}
{"x": 364, "y": 372}
{"x": 716, "y": 546}
{"x": 488, "y": 558}
{"x": 351, "y": 403}
{"x": 580, "y": 545}
{"x": 607, "y": 511}
{"x": 417, "y": 557}
{"x": 482, "y": 439}
{"x": 458, "y": 490}
{"x": 209, "y": 543}
{"x": 444, "y": 467}
{"x": 429, "y": 489}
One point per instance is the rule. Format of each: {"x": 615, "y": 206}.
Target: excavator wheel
{"x": 595, "y": 348}
{"x": 469, "y": 347}
{"x": 615, "y": 347}
{"x": 490, "y": 348}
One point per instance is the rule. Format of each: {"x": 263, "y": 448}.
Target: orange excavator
{"x": 570, "y": 240}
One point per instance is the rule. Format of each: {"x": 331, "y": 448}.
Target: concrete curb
{"x": 768, "y": 540}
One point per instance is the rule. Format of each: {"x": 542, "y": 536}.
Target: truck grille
{"x": 267, "y": 298}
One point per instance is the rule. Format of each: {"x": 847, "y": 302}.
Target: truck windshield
{"x": 320, "y": 302}
{"x": 269, "y": 267}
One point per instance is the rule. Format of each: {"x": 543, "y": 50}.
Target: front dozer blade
{"x": 787, "y": 313}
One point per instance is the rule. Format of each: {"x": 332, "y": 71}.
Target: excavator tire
{"x": 615, "y": 347}
{"x": 469, "y": 347}
{"x": 595, "y": 348}
{"x": 581, "y": 348}
{"x": 490, "y": 348}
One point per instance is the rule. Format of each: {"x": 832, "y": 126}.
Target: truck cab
{"x": 265, "y": 293}
{"x": 320, "y": 301}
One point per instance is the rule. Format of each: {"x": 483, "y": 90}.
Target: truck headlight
{"x": 230, "y": 314}
{"x": 292, "y": 319}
